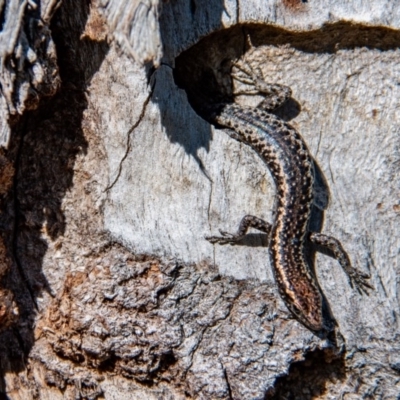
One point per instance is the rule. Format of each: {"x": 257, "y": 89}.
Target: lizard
{"x": 289, "y": 161}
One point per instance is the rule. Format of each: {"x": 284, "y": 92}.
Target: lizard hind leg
{"x": 357, "y": 279}
{"x": 248, "y": 221}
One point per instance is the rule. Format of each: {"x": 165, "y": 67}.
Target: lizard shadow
{"x": 181, "y": 124}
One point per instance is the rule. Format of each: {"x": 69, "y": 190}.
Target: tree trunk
{"x": 110, "y": 182}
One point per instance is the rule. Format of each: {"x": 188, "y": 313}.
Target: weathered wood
{"x": 134, "y": 25}
{"x": 118, "y": 181}
{"x": 28, "y": 63}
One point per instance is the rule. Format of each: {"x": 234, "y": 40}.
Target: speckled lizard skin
{"x": 286, "y": 155}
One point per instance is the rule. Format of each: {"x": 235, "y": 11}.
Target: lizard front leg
{"x": 274, "y": 94}
{"x": 248, "y": 221}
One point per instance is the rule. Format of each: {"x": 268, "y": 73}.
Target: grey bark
{"x": 28, "y": 68}
{"x": 110, "y": 289}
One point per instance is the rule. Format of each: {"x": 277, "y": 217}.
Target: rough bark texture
{"x": 28, "y": 65}
{"x": 108, "y": 287}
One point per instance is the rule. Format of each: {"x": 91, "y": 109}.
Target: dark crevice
{"x": 3, "y": 15}
{"x": 192, "y": 7}
{"x": 109, "y": 364}
{"x": 77, "y": 358}
{"x": 308, "y": 379}
{"x": 167, "y": 360}
{"x": 17, "y": 219}
{"x": 227, "y": 383}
